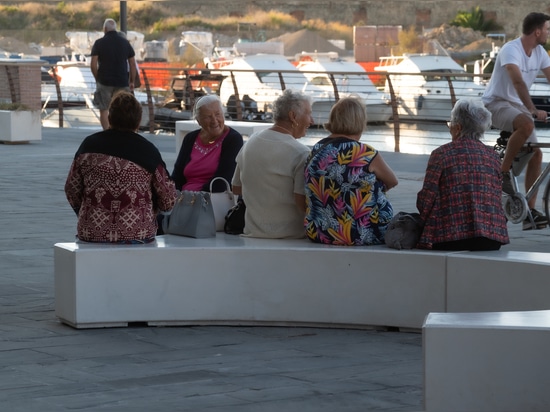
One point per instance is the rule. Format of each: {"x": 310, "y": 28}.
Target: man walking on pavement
{"x": 112, "y": 56}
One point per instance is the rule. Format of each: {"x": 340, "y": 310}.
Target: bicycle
{"x": 516, "y": 206}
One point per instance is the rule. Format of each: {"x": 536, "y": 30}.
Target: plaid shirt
{"x": 461, "y": 195}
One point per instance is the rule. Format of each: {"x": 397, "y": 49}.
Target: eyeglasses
{"x": 449, "y": 124}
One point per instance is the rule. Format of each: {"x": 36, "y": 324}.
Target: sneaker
{"x": 507, "y": 186}
{"x": 541, "y": 221}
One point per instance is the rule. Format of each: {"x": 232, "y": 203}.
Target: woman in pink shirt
{"x": 208, "y": 152}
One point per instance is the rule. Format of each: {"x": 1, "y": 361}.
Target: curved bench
{"x": 237, "y": 280}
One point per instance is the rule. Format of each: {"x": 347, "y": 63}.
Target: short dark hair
{"x": 124, "y": 112}
{"x": 534, "y": 21}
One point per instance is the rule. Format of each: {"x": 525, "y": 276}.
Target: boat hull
{"x": 376, "y": 112}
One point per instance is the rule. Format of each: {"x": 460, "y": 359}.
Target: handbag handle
{"x": 227, "y": 185}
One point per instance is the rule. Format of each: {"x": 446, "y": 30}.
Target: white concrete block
{"x": 495, "y": 361}
{"x": 498, "y": 281}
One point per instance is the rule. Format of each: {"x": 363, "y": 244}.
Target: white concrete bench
{"x": 498, "y": 281}
{"x": 494, "y": 361}
{"x": 237, "y": 280}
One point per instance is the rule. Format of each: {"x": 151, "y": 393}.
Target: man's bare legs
{"x": 523, "y": 127}
{"x": 533, "y": 171}
{"x": 104, "y": 119}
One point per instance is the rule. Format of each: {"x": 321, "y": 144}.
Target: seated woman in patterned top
{"x": 118, "y": 181}
{"x": 346, "y": 182}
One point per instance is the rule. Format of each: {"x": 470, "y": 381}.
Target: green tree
{"x": 475, "y": 19}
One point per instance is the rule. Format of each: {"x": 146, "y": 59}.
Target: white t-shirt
{"x": 500, "y": 86}
{"x": 270, "y": 170}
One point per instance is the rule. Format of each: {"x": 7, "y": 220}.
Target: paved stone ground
{"x": 47, "y": 366}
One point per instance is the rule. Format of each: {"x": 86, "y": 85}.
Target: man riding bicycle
{"x": 507, "y": 98}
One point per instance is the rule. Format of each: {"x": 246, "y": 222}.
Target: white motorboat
{"x": 334, "y": 75}
{"x": 422, "y": 84}
{"x": 77, "y": 86}
{"x": 260, "y": 78}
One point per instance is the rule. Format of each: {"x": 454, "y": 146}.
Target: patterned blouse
{"x": 461, "y": 195}
{"x": 346, "y": 204}
{"x": 117, "y": 184}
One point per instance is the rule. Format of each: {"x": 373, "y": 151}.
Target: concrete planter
{"x": 20, "y": 126}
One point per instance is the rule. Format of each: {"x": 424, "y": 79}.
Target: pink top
{"x": 203, "y": 164}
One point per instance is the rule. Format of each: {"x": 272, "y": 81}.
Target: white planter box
{"x": 20, "y": 126}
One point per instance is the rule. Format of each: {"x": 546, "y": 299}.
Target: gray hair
{"x": 203, "y": 101}
{"x": 472, "y": 115}
{"x": 289, "y": 101}
{"x": 109, "y": 25}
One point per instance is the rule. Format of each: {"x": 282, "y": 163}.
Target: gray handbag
{"x": 404, "y": 231}
{"x": 191, "y": 216}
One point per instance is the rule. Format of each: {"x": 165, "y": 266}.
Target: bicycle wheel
{"x": 515, "y": 207}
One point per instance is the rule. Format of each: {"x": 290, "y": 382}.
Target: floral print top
{"x": 346, "y": 204}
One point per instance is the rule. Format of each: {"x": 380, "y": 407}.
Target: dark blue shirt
{"x": 113, "y": 52}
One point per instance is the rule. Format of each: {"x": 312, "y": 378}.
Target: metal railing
{"x": 171, "y": 92}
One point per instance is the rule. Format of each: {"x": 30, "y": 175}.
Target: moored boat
{"x": 342, "y": 78}
{"x": 257, "y": 80}
{"x": 77, "y": 87}
{"x": 422, "y": 84}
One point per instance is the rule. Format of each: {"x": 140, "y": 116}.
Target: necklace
{"x": 208, "y": 141}
{"x": 205, "y": 150}
{"x": 282, "y": 128}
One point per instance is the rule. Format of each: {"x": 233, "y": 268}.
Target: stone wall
{"x": 20, "y": 82}
{"x": 421, "y": 13}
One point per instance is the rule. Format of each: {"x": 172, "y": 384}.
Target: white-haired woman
{"x": 208, "y": 152}
{"x": 270, "y": 171}
{"x": 460, "y": 200}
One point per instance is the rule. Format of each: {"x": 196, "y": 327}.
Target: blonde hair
{"x": 348, "y": 116}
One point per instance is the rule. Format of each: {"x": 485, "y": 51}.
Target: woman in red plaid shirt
{"x": 460, "y": 200}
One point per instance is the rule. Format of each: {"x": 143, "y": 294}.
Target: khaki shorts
{"x": 103, "y": 95}
{"x": 503, "y": 114}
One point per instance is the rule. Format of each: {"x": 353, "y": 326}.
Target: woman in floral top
{"x": 346, "y": 183}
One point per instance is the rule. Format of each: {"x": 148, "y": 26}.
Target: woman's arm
{"x": 300, "y": 201}
{"x": 74, "y": 187}
{"x": 237, "y": 190}
{"x": 164, "y": 190}
{"x": 383, "y": 172}
{"x": 430, "y": 188}
{"x": 183, "y": 158}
